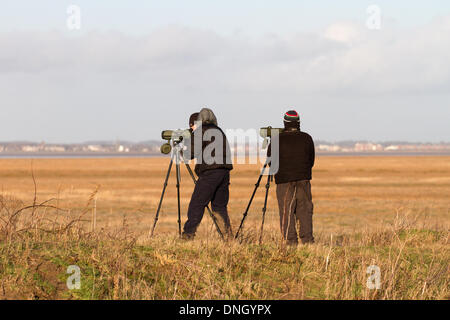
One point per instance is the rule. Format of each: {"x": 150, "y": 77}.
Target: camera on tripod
{"x": 267, "y": 133}
{"x": 176, "y": 136}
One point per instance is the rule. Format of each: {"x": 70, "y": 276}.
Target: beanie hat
{"x": 291, "y": 116}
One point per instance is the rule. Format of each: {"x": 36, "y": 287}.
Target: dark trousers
{"x": 296, "y": 207}
{"x": 212, "y": 186}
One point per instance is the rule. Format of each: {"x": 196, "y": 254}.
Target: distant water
{"x": 77, "y": 155}
{"x": 382, "y": 154}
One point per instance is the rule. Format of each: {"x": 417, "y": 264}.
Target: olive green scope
{"x": 176, "y": 136}
{"x": 267, "y": 132}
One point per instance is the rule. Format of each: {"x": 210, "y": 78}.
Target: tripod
{"x": 264, "y": 209}
{"x": 177, "y": 158}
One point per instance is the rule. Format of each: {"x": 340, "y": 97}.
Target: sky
{"x": 135, "y": 68}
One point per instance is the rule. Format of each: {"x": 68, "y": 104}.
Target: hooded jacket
{"x": 209, "y": 146}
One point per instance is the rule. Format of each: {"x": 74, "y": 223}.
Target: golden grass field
{"x": 387, "y": 211}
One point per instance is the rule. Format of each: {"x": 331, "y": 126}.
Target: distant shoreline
{"x": 383, "y": 154}
{"x": 155, "y": 155}
{"x": 68, "y": 155}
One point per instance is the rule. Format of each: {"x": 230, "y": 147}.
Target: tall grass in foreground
{"x": 39, "y": 241}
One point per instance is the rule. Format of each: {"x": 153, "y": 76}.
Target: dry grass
{"x": 392, "y": 212}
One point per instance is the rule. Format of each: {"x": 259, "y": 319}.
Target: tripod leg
{"x": 162, "y": 196}
{"x": 207, "y": 207}
{"x": 269, "y": 179}
{"x": 178, "y": 192}
{"x": 251, "y": 199}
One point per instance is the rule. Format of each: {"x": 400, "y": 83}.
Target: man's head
{"x": 291, "y": 120}
{"x": 207, "y": 116}
{"x": 192, "y": 119}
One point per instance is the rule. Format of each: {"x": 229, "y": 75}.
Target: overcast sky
{"x": 138, "y": 67}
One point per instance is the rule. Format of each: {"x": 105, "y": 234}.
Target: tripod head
{"x": 267, "y": 132}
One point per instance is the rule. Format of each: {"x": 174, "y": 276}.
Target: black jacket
{"x": 296, "y": 156}
{"x": 217, "y": 156}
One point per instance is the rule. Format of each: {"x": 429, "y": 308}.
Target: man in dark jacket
{"x": 209, "y": 146}
{"x": 294, "y": 160}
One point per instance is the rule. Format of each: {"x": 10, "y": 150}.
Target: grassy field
{"x": 392, "y": 212}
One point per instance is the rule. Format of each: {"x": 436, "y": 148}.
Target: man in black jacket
{"x": 209, "y": 146}
{"x": 294, "y": 159}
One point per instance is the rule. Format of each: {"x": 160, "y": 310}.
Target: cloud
{"x": 346, "y": 57}
{"x": 102, "y": 85}
{"x": 345, "y": 32}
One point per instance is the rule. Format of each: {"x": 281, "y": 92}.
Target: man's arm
{"x": 191, "y": 150}
{"x": 196, "y": 150}
{"x": 312, "y": 152}
{"x": 188, "y": 153}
